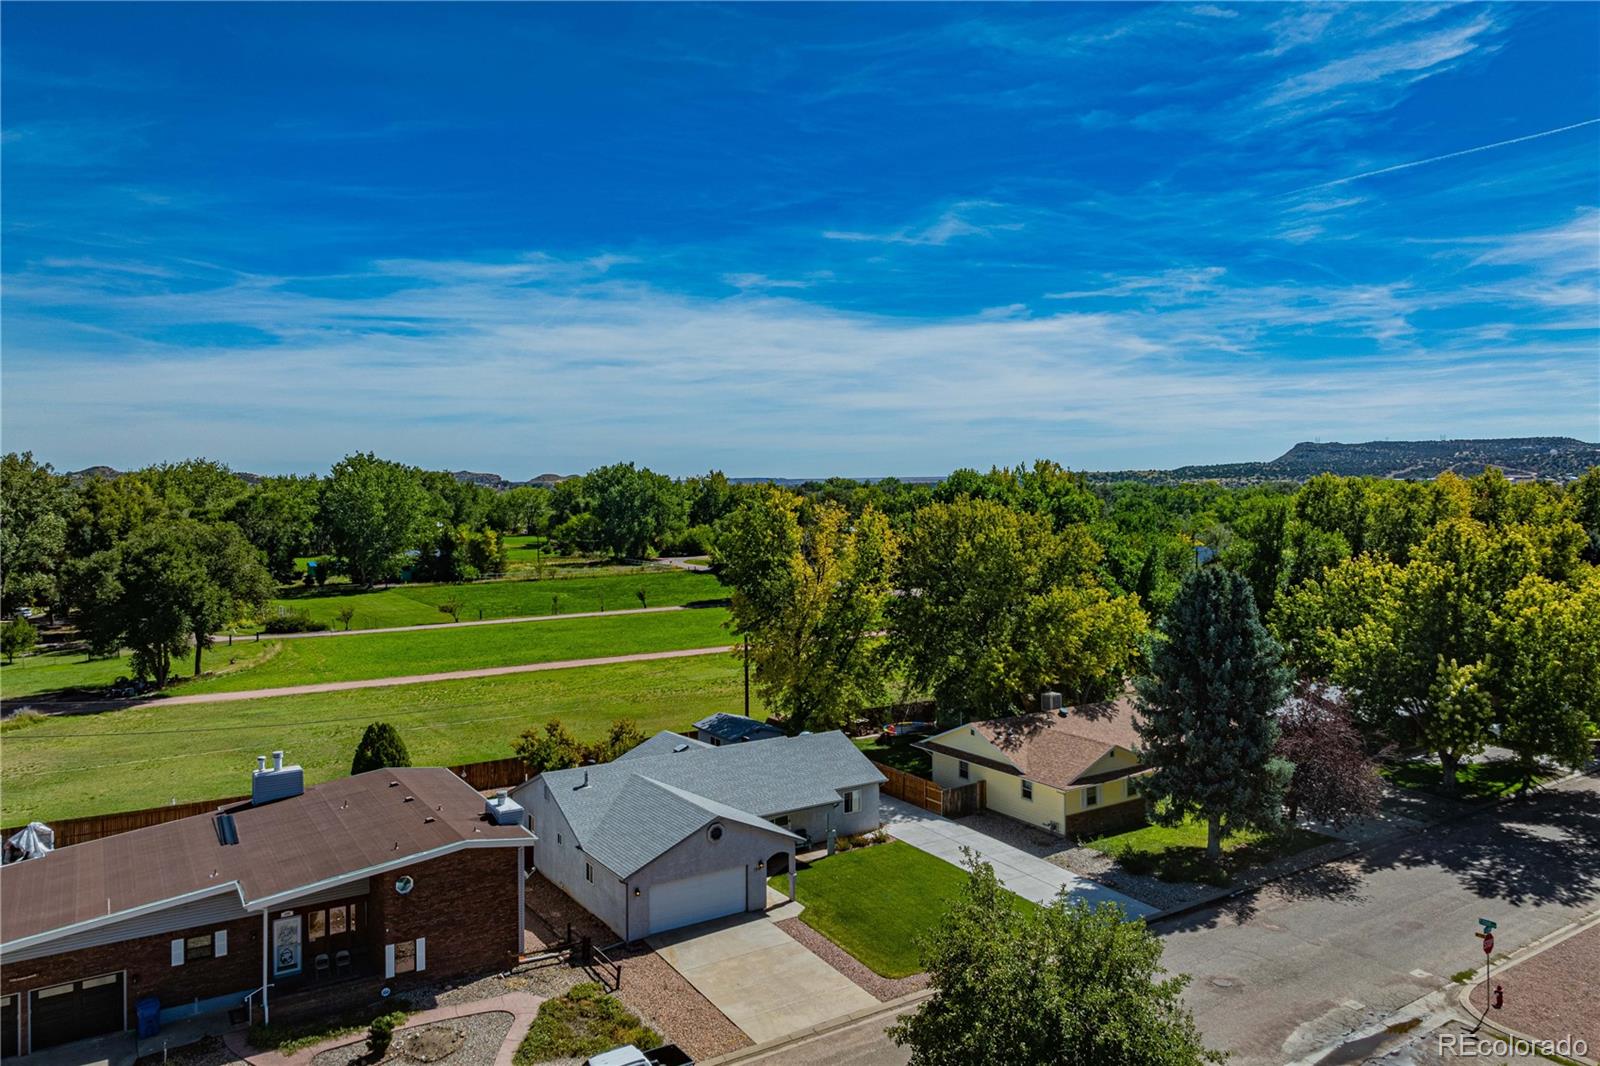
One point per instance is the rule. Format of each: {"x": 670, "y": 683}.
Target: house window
{"x": 1133, "y": 786}
{"x": 407, "y": 957}
{"x": 333, "y": 921}
{"x": 782, "y": 819}
{"x": 198, "y": 947}
{"x": 851, "y": 801}
{"x": 558, "y": 838}
{"x": 962, "y": 770}
{"x": 1027, "y": 789}
{"x": 1091, "y": 796}
{"x": 588, "y": 872}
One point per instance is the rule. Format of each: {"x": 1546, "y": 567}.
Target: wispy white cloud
{"x": 953, "y": 223}
{"x": 578, "y": 364}
{"x": 1407, "y": 59}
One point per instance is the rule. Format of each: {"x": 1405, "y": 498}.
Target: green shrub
{"x": 584, "y": 1022}
{"x": 17, "y": 637}
{"x": 381, "y": 1033}
{"x": 298, "y": 620}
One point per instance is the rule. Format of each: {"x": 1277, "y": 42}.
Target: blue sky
{"x": 794, "y": 240}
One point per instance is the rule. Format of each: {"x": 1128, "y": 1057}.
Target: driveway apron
{"x": 1027, "y": 875}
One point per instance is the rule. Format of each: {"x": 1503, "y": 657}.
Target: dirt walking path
{"x": 222, "y": 640}
{"x": 90, "y": 707}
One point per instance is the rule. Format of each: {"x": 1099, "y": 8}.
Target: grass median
{"x": 65, "y": 767}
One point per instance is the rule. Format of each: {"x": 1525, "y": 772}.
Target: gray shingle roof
{"x": 665, "y": 742}
{"x": 636, "y": 808}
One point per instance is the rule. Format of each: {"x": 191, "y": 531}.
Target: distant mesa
{"x": 1522, "y": 459}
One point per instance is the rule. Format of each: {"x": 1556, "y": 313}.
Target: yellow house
{"x": 1072, "y": 771}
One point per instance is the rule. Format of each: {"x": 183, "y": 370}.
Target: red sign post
{"x": 1488, "y": 943}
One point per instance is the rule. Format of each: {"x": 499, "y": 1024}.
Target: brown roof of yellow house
{"x": 1057, "y": 750}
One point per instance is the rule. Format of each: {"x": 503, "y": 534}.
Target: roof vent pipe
{"x": 277, "y": 760}
{"x": 261, "y": 763}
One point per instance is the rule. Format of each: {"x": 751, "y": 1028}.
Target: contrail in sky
{"x": 1452, "y": 155}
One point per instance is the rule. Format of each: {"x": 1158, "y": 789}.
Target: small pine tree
{"x": 17, "y": 637}
{"x": 1208, "y": 724}
{"x": 380, "y": 746}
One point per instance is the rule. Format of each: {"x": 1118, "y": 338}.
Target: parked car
{"x": 906, "y": 729}
{"x": 628, "y": 1055}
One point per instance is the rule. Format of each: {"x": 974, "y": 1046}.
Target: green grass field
{"x": 410, "y": 605}
{"x": 877, "y": 902}
{"x": 64, "y": 767}
{"x": 897, "y": 753}
{"x": 308, "y": 661}
{"x": 56, "y": 671}
{"x": 311, "y": 660}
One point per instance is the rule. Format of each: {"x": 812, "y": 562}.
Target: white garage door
{"x": 696, "y": 899}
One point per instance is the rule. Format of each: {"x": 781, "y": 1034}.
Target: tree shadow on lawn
{"x": 1543, "y": 848}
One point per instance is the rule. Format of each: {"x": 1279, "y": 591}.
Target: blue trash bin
{"x": 149, "y": 1011}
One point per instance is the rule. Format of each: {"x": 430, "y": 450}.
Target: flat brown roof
{"x": 333, "y": 831}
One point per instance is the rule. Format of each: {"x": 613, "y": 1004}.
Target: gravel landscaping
{"x": 1552, "y": 994}
{"x": 208, "y": 1051}
{"x": 651, "y": 988}
{"x": 471, "y": 1041}
{"x": 882, "y": 988}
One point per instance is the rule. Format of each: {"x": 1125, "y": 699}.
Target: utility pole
{"x": 747, "y": 675}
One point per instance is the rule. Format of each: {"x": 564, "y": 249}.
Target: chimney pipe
{"x": 261, "y": 763}
{"x": 277, "y": 760}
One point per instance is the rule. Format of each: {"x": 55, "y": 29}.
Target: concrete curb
{"x": 1461, "y": 997}
{"x": 894, "y": 1006}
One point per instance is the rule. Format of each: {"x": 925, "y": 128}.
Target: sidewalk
{"x": 522, "y": 1006}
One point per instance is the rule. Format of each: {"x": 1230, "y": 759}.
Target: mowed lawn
{"x": 359, "y": 657}
{"x": 268, "y": 663}
{"x": 1178, "y": 852}
{"x": 60, "y": 670}
{"x": 412, "y": 605}
{"x": 64, "y": 767}
{"x": 877, "y": 902}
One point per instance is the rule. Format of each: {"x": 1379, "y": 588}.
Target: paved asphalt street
{"x": 1299, "y": 965}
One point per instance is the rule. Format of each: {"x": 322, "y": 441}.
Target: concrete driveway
{"x": 763, "y": 979}
{"x": 1027, "y": 875}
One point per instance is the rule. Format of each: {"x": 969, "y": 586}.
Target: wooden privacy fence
{"x": 482, "y": 776}
{"x": 950, "y": 802}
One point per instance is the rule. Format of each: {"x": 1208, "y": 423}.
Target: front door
{"x": 287, "y": 954}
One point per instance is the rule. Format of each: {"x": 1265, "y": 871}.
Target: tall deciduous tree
{"x": 636, "y": 508}
{"x": 236, "y": 584}
{"x": 279, "y": 516}
{"x": 373, "y": 510}
{"x": 380, "y": 747}
{"x": 1056, "y": 984}
{"x": 996, "y": 606}
{"x": 34, "y": 505}
{"x": 1208, "y": 710}
{"x": 1544, "y": 671}
{"x": 810, "y": 600}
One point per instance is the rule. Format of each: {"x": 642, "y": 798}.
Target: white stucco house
{"x": 678, "y": 832}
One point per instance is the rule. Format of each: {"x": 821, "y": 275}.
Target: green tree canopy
{"x": 551, "y": 748}
{"x": 996, "y": 606}
{"x": 1208, "y": 708}
{"x": 373, "y": 510}
{"x": 34, "y": 504}
{"x": 1014, "y": 983}
{"x": 637, "y": 509}
{"x": 810, "y": 599}
{"x": 380, "y": 747}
